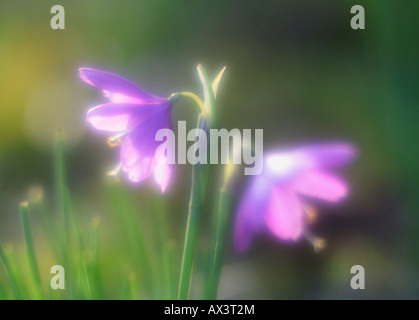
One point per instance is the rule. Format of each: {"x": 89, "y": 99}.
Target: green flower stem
{"x": 197, "y": 100}
{"x": 30, "y": 248}
{"x": 220, "y": 230}
{"x": 194, "y": 212}
{"x": 200, "y": 178}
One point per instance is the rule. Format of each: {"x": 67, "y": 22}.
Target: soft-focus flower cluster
{"x": 274, "y": 201}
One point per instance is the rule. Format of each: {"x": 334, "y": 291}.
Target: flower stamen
{"x": 116, "y": 140}
{"x": 318, "y": 243}
{"x": 113, "y": 143}
{"x": 114, "y": 172}
{"x": 311, "y": 213}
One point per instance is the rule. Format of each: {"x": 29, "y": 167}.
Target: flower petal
{"x": 249, "y": 218}
{"x": 120, "y": 117}
{"x": 320, "y": 185}
{"x": 141, "y": 169}
{"x": 285, "y": 165}
{"x": 113, "y": 84}
{"x": 329, "y": 154}
{"x": 139, "y": 147}
{"x": 162, "y": 174}
{"x": 284, "y": 216}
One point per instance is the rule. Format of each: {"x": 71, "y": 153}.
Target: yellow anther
{"x": 114, "y": 141}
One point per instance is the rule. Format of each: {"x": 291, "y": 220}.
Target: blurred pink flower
{"x": 133, "y": 116}
{"x": 273, "y": 200}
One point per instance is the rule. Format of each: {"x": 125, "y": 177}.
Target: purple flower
{"x": 133, "y": 116}
{"x": 274, "y": 199}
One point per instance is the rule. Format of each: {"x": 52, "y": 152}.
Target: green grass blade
{"x": 60, "y": 186}
{"x": 71, "y": 252}
{"x": 45, "y": 216}
{"x": 30, "y": 248}
{"x": 169, "y": 263}
{"x": 126, "y": 214}
{"x": 162, "y": 236}
{"x": 11, "y": 274}
{"x": 93, "y": 266}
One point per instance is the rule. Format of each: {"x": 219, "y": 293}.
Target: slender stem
{"x": 66, "y": 216}
{"x": 194, "y": 213}
{"x": 84, "y": 279}
{"x": 133, "y": 287}
{"x": 200, "y": 178}
{"x": 169, "y": 261}
{"x": 60, "y": 187}
{"x": 33, "y": 263}
{"x": 97, "y": 290}
{"x": 194, "y": 97}
{"x": 8, "y": 266}
{"x": 48, "y": 229}
{"x": 221, "y": 226}
{"x": 220, "y": 231}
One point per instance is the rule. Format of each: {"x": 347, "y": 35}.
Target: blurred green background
{"x": 294, "y": 68}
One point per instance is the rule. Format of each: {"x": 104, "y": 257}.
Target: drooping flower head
{"x": 133, "y": 117}
{"x": 274, "y": 200}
